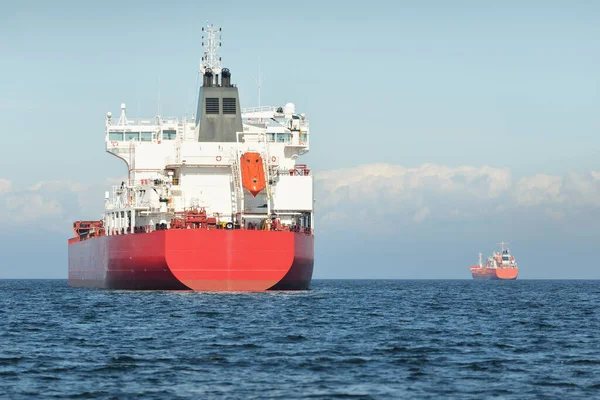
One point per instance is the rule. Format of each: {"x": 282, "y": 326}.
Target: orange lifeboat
{"x": 253, "y": 173}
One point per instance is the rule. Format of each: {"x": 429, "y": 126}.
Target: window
{"x": 146, "y": 136}
{"x": 271, "y": 137}
{"x": 212, "y": 105}
{"x": 283, "y": 137}
{"x": 169, "y": 134}
{"x": 229, "y": 105}
{"x": 115, "y": 136}
{"x": 132, "y": 135}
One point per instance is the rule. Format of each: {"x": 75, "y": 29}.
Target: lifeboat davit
{"x": 253, "y": 173}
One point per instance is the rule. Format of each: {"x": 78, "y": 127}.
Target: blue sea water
{"x": 341, "y": 339}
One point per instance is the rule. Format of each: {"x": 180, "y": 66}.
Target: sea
{"x": 347, "y": 339}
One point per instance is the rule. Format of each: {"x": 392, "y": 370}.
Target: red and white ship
{"x": 501, "y": 265}
{"x": 212, "y": 202}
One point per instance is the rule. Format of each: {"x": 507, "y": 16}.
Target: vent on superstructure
{"x": 212, "y": 105}
{"x": 229, "y": 105}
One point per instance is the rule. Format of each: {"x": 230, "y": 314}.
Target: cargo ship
{"x": 501, "y": 265}
{"x": 215, "y": 201}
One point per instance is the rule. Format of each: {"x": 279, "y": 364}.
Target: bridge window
{"x": 132, "y": 136}
{"x": 169, "y": 134}
{"x": 284, "y": 137}
{"x": 146, "y": 136}
{"x": 115, "y": 136}
{"x": 271, "y": 137}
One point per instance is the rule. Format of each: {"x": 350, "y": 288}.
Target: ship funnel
{"x": 218, "y": 113}
{"x": 226, "y": 77}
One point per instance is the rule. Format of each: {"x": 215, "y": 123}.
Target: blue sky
{"x": 509, "y": 89}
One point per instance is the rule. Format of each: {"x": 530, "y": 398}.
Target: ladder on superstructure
{"x": 237, "y": 194}
{"x": 180, "y": 138}
{"x": 267, "y": 168}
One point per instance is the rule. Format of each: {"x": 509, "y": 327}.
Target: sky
{"x": 438, "y": 128}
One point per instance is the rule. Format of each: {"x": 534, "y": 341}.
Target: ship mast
{"x": 480, "y": 261}
{"x": 211, "y": 61}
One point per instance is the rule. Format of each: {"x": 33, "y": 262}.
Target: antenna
{"x": 210, "y": 58}
{"x": 258, "y": 81}
{"x": 158, "y": 98}
{"x": 503, "y": 244}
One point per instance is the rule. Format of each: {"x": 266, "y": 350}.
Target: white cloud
{"x": 571, "y": 190}
{"x": 539, "y": 189}
{"x": 49, "y": 205}
{"x": 5, "y": 185}
{"x": 28, "y": 207}
{"x": 374, "y": 193}
{"x": 483, "y": 182}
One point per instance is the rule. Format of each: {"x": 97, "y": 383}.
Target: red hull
{"x": 194, "y": 259}
{"x": 494, "y": 273}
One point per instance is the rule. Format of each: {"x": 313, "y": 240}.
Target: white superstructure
{"x": 173, "y": 168}
{"x": 502, "y": 259}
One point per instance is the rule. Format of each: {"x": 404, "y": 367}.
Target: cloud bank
{"x": 380, "y": 192}
{"x": 369, "y": 193}
{"x": 49, "y": 206}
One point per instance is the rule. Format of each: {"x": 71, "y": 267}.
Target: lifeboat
{"x": 253, "y": 173}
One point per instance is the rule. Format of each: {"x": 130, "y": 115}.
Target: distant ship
{"x": 212, "y": 202}
{"x": 501, "y": 265}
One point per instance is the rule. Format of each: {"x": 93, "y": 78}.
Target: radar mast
{"x": 210, "y": 59}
